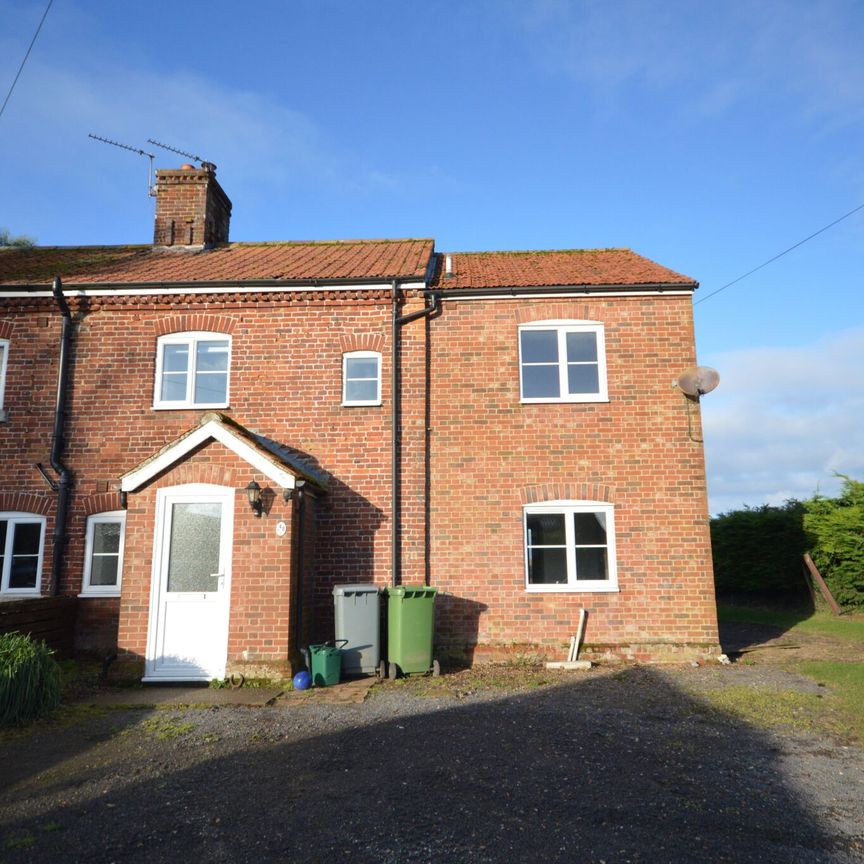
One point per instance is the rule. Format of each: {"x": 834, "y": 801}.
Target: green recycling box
{"x": 326, "y": 662}
{"x": 410, "y": 627}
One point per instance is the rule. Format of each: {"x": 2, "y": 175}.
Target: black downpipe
{"x": 57, "y": 441}
{"x": 396, "y": 400}
{"x": 298, "y": 615}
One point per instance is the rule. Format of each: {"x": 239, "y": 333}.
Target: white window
{"x": 4, "y": 362}
{"x": 562, "y": 361}
{"x": 103, "y": 554}
{"x": 192, "y": 370}
{"x": 22, "y": 538}
{"x": 570, "y": 546}
{"x": 361, "y": 378}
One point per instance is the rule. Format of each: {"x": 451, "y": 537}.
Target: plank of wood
{"x": 823, "y": 588}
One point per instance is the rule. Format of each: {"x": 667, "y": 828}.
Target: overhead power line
{"x": 24, "y": 61}
{"x": 780, "y": 255}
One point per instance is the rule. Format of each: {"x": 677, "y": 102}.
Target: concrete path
{"x": 350, "y": 692}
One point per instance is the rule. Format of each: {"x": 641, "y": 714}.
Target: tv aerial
{"x": 694, "y": 382}
{"x": 151, "y": 189}
{"x": 202, "y": 162}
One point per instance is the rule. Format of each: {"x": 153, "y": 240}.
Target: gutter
{"x": 397, "y": 321}
{"x": 274, "y": 284}
{"x": 57, "y": 441}
{"x": 465, "y": 293}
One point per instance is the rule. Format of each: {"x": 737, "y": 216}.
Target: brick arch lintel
{"x": 26, "y": 502}
{"x": 194, "y": 321}
{"x": 362, "y": 342}
{"x": 567, "y": 310}
{"x": 572, "y": 491}
{"x": 6, "y": 328}
{"x": 198, "y": 472}
{"x": 101, "y": 502}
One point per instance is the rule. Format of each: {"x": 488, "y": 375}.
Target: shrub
{"x": 835, "y": 531}
{"x": 758, "y": 552}
{"x": 29, "y": 679}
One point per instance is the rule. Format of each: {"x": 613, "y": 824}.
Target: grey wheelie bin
{"x": 358, "y": 623}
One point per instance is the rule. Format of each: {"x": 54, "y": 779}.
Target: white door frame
{"x": 165, "y": 498}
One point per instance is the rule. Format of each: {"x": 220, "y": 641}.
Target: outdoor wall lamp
{"x": 253, "y": 493}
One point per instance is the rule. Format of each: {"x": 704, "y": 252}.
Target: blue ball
{"x": 302, "y": 680}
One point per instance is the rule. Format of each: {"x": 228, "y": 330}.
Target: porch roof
{"x": 280, "y": 464}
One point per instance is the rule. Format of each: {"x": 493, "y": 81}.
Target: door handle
{"x": 220, "y": 580}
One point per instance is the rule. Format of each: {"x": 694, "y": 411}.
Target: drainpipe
{"x": 300, "y": 497}
{"x": 395, "y": 395}
{"x": 57, "y": 443}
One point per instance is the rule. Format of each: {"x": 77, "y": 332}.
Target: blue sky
{"x": 708, "y": 137}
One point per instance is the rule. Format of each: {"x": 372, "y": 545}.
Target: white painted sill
{"x": 572, "y": 589}
{"x": 88, "y": 595}
{"x": 570, "y": 401}
{"x": 185, "y": 406}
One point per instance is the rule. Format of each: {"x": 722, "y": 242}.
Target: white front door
{"x": 188, "y": 629}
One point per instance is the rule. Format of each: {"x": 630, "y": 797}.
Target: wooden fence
{"x": 51, "y": 619}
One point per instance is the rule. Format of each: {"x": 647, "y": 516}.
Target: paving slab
{"x": 351, "y": 692}
{"x": 163, "y": 697}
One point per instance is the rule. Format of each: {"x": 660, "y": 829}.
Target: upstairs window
{"x": 562, "y": 361}
{"x": 192, "y": 371}
{"x": 361, "y": 378}
{"x": 21, "y": 542}
{"x": 570, "y": 546}
{"x": 4, "y": 361}
{"x": 103, "y": 557}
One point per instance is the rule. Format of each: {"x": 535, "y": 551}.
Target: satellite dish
{"x": 698, "y": 380}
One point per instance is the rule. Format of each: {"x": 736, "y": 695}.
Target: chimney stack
{"x": 192, "y": 209}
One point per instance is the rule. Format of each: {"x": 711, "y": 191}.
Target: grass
{"x": 166, "y": 728}
{"x": 823, "y": 623}
{"x": 769, "y": 708}
{"x": 846, "y": 684}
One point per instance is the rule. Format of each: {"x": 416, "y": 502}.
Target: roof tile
{"x": 563, "y": 267}
{"x": 234, "y": 262}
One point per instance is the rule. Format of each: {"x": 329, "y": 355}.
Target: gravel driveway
{"x": 614, "y": 766}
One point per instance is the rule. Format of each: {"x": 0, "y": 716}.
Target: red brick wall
{"x": 633, "y": 451}
{"x": 487, "y": 453}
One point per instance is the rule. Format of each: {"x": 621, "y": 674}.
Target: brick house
{"x": 500, "y": 425}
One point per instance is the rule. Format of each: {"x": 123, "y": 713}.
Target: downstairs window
{"x": 570, "y": 546}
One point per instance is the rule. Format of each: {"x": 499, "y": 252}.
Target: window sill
{"x": 97, "y": 595}
{"x": 20, "y": 595}
{"x": 362, "y": 404}
{"x": 184, "y": 406}
{"x": 570, "y": 401}
{"x": 572, "y": 589}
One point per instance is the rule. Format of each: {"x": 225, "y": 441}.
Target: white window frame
{"x": 563, "y": 327}
{"x": 360, "y": 355}
{"x": 191, "y": 340}
{"x": 88, "y": 590}
{"x": 20, "y": 518}
{"x": 4, "y": 363}
{"x": 566, "y": 509}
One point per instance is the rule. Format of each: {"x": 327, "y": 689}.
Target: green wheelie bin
{"x": 410, "y": 627}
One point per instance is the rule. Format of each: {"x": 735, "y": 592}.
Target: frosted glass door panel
{"x": 193, "y": 559}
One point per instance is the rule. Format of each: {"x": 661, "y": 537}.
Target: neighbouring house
{"x": 201, "y": 438}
